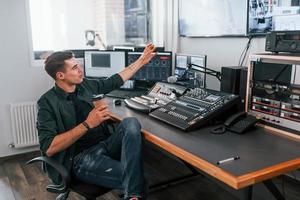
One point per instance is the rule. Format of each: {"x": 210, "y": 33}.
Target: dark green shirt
{"x": 56, "y": 115}
{"x": 93, "y": 136}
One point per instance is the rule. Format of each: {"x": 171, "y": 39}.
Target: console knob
{"x": 294, "y": 45}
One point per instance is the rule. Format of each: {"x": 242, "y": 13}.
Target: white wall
{"x": 61, "y": 24}
{"x": 220, "y": 52}
{"x": 19, "y": 81}
{"x": 76, "y": 27}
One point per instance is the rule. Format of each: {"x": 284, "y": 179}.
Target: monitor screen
{"x": 182, "y": 61}
{"x": 79, "y": 53}
{"x": 123, "y": 48}
{"x": 101, "y": 60}
{"x": 271, "y": 72}
{"x": 265, "y": 16}
{"x": 199, "y": 60}
{"x": 99, "y": 64}
{"x": 181, "y": 64}
{"x": 158, "y": 69}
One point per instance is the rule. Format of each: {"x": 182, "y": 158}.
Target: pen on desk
{"x": 227, "y": 160}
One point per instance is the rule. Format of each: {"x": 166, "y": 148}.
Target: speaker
{"x": 234, "y": 80}
{"x": 230, "y": 79}
{"x": 243, "y": 83}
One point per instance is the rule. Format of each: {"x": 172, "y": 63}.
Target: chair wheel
{"x": 63, "y": 196}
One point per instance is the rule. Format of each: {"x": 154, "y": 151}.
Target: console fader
{"x": 194, "y": 108}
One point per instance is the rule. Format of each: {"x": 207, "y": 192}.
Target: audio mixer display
{"x": 158, "y": 69}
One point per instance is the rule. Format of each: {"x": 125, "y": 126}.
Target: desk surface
{"x": 262, "y": 154}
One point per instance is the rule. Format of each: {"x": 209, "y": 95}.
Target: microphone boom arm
{"x": 207, "y": 71}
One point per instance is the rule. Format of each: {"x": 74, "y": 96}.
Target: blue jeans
{"x": 116, "y": 162}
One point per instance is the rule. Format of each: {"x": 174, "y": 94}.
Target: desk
{"x": 262, "y": 155}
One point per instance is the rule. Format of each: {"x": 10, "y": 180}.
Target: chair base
{"x": 89, "y": 191}
{"x": 63, "y": 196}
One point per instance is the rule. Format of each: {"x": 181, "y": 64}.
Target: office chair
{"x": 89, "y": 191}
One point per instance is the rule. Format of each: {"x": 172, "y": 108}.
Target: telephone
{"x": 240, "y": 122}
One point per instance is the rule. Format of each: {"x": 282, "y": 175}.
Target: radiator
{"x": 23, "y": 120}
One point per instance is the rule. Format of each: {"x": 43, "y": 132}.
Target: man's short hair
{"x": 55, "y": 62}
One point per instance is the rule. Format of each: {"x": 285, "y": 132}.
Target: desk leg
{"x": 247, "y": 193}
{"x": 174, "y": 181}
{"x": 190, "y": 167}
{"x": 273, "y": 189}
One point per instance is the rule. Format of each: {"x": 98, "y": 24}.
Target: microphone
{"x": 174, "y": 79}
{"x": 183, "y": 77}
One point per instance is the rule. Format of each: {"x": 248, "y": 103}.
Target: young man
{"x": 75, "y": 133}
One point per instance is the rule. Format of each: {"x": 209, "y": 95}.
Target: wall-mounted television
{"x": 265, "y": 16}
{"x": 212, "y": 18}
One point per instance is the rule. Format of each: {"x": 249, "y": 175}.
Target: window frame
{"x": 155, "y": 33}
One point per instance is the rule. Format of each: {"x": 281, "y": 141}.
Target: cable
{"x": 246, "y": 49}
{"x": 281, "y": 71}
{"x": 295, "y": 71}
{"x": 245, "y": 52}
{"x": 241, "y": 57}
{"x": 198, "y": 82}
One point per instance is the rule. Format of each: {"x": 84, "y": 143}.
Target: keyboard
{"x": 126, "y": 94}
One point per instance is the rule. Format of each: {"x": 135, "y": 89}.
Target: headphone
{"x": 90, "y": 37}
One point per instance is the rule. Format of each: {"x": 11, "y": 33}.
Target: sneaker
{"x": 133, "y": 198}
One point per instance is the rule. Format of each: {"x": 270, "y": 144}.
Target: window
{"x": 85, "y": 24}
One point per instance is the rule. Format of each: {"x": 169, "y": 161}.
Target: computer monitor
{"x": 99, "y": 64}
{"x": 79, "y": 53}
{"x": 183, "y": 61}
{"x": 132, "y": 48}
{"x": 181, "y": 64}
{"x": 158, "y": 69}
{"x": 122, "y": 48}
{"x": 142, "y": 48}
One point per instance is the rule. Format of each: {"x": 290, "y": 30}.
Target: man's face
{"x": 72, "y": 74}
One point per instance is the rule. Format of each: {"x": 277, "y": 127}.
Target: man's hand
{"x": 148, "y": 54}
{"x": 101, "y": 102}
{"x": 62, "y": 141}
{"x": 98, "y": 115}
